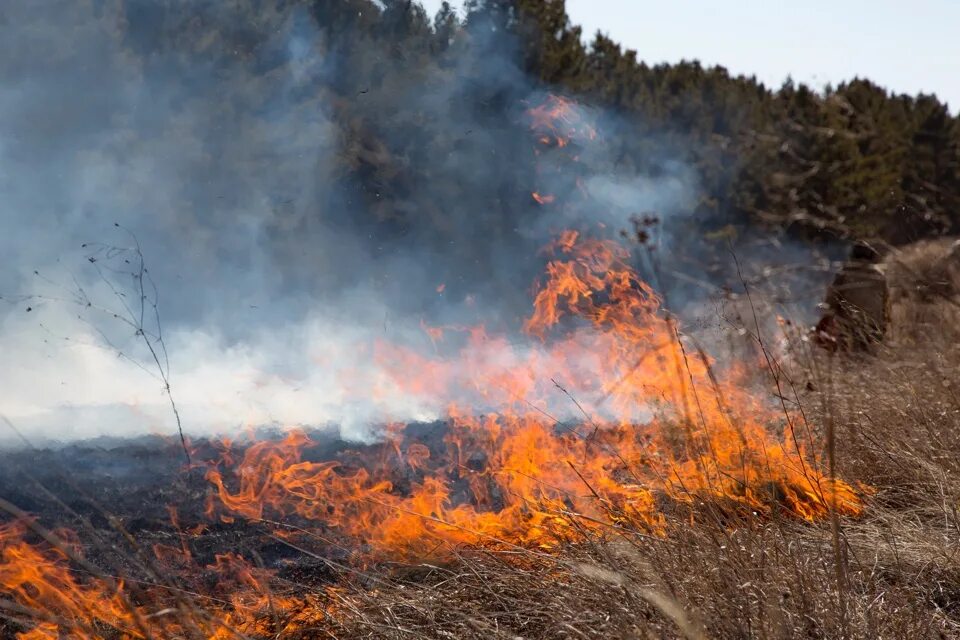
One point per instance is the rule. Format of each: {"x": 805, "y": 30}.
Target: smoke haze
{"x": 299, "y": 192}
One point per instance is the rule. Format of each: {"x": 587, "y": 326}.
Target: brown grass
{"x": 891, "y": 420}
{"x": 894, "y": 572}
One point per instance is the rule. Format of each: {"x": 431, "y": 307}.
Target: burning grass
{"x": 514, "y": 525}
{"x": 675, "y": 497}
{"x": 525, "y": 479}
{"x": 712, "y": 569}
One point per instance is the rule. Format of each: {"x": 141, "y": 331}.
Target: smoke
{"x": 302, "y": 186}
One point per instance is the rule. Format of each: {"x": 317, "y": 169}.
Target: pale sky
{"x": 907, "y": 47}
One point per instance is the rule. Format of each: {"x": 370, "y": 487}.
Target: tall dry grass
{"x": 891, "y": 420}
{"x": 887, "y": 421}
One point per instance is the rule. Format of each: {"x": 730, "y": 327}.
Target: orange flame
{"x": 55, "y": 603}
{"x": 605, "y": 416}
{"x": 647, "y": 419}
{"x": 543, "y": 199}
{"x": 657, "y": 423}
{"x": 559, "y": 120}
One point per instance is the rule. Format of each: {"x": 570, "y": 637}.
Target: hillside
{"x": 854, "y": 159}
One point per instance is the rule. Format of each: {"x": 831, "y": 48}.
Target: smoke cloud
{"x": 299, "y": 189}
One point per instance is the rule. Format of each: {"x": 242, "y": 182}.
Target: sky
{"x": 907, "y": 47}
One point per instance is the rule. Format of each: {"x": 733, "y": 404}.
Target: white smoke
{"x": 227, "y": 167}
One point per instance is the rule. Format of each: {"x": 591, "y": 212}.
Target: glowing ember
{"x": 543, "y": 199}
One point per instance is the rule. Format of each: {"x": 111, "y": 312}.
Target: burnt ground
{"x": 119, "y": 494}
{"x": 106, "y": 489}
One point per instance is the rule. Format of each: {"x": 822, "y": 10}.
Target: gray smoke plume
{"x": 301, "y": 187}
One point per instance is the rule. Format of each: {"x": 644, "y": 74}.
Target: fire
{"x": 604, "y": 416}
{"x": 55, "y": 602}
{"x": 40, "y": 583}
{"x": 658, "y": 424}
{"x": 542, "y": 199}
{"x": 558, "y": 120}
{"x": 646, "y": 420}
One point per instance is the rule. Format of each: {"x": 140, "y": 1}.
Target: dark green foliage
{"x": 852, "y": 161}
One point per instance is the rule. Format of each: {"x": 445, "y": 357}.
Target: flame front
{"x": 604, "y": 417}
{"x": 57, "y": 602}
{"x": 658, "y": 424}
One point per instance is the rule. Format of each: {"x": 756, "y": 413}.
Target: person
{"x": 857, "y": 304}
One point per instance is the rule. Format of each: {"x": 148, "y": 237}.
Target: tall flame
{"x": 659, "y": 423}
{"x": 655, "y": 422}
{"x": 605, "y": 416}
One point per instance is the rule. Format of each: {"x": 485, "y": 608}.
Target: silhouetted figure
{"x": 857, "y": 304}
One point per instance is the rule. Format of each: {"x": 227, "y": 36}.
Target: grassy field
{"x": 886, "y": 422}
{"x": 892, "y": 420}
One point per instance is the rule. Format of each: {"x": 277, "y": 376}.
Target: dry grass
{"x": 894, "y": 572}
{"x": 892, "y": 422}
